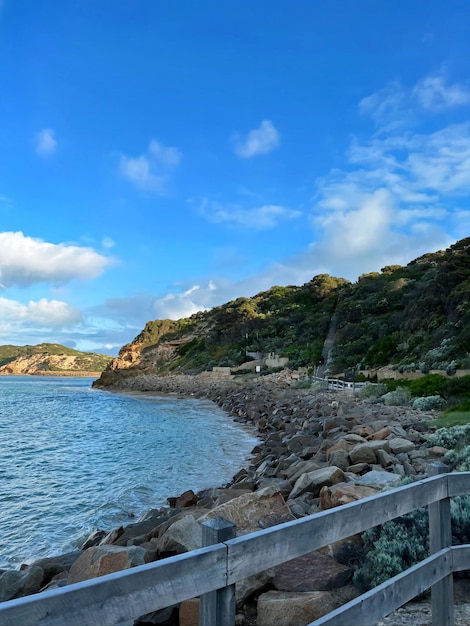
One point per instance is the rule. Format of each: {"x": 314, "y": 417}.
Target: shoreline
{"x": 65, "y": 374}
{"x": 299, "y": 431}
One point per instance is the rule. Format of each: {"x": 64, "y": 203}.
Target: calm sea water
{"x": 73, "y": 459}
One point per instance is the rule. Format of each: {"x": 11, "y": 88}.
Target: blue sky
{"x": 160, "y": 157}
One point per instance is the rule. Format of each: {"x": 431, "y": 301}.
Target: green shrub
{"x": 304, "y": 383}
{"x": 429, "y": 402}
{"x": 459, "y": 459}
{"x": 458, "y": 387}
{"x": 400, "y": 397}
{"x": 428, "y": 385}
{"x": 391, "y": 548}
{"x": 455, "y": 437}
{"x": 319, "y": 385}
{"x": 372, "y": 391}
{"x": 460, "y": 513}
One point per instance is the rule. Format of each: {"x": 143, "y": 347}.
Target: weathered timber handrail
{"x": 122, "y": 597}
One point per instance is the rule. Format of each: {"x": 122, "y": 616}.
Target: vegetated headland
{"x": 50, "y": 359}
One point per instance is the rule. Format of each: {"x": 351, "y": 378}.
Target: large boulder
{"x": 400, "y": 444}
{"x": 54, "y": 565}
{"x": 311, "y": 572}
{"x": 281, "y": 608}
{"x": 106, "y": 559}
{"x": 182, "y": 536}
{"x": 296, "y": 470}
{"x": 314, "y": 481}
{"x": 14, "y": 584}
{"x": 252, "y": 511}
{"x": 366, "y": 452}
{"x": 378, "y": 478}
{"x": 344, "y": 493}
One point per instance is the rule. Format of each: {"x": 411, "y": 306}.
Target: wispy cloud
{"x": 435, "y": 94}
{"x": 108, "y": 243}
{"x": 46, "y": 144}
{"x": 25, "y": 261}
{"x": 402, "y": 192}
{"x": 151, "y": 171}
{"x": 258, "y": 218}
{"x": 386, "y": 106}
{"x": 261, "y": 140}
{"x": 396, "y": 106}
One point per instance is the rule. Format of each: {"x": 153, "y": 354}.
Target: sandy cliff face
{"x": 45, "y": 364}
{"x": 138, "y": 358}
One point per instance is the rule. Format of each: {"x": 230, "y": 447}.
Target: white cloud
{"x": 395, "y": 199}
{"x": 386, "y": 106}
{"x": 426, "y": 165}
{"x": 151, "y": 171}
{"x": 396, "y": 106}
{"x": 108, "y": 243}
{"x": 260, "y": 218}
{"x": 48, "y": 314}
{"x": 46, "y": 144}
{"x": 184, "y": 303}
{"x": 25, "y": 261}
{"x": 258, "y": 141}
{"x": 354, "y": 232}
{"x": 434, "y": 94}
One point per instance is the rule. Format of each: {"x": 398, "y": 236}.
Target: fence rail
{"x": 340, "y": 384}
{"x": 211, "y": 572}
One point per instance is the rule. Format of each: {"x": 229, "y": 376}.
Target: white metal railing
{"x": 340, "y": 384}
{"x": 212, "y": 572}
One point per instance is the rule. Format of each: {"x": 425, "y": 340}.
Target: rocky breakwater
{"x": 317, "y": 450}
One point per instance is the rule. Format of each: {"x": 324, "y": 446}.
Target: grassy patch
{"x": 452, "y": 418}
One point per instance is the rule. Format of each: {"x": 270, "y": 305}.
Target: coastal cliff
{"x": 413, "y": 318}
{"x": 50, "y": 360}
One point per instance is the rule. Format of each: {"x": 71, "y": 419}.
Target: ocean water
{"x": 74, "y": 459}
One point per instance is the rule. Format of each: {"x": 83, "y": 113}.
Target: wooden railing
{"x": 212, "y": 572}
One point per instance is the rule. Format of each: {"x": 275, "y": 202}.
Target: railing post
{"x": 440, "y": 536}
{"x": 217, "y": 608}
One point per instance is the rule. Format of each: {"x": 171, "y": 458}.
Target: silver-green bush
{"x": 453, "y": 438}
{"x": 400, "y": 397}
{"x": 428, "y": 403}
{"x": 372, "y": 391}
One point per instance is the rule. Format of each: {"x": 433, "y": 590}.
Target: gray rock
{"x": 182, "y": 536}
{"x": 14, "y": 584}
{"x": 311, "y": 572}
{"x": 54, "y": 565}
{"x": 364, "y": 453}
{"x": 340, "y": 458}
{"x": 302, "y": 467}
{"x": 399, "y": 445}
{"x": 384, "y": 458}
{"x": 377, "y": 479}
{"x": 314, "y": 481}
{"x": 282, "y": 608}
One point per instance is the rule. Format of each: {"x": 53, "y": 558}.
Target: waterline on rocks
{"x": 75, "y": 459}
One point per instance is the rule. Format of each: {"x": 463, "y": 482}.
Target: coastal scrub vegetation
{"x": 394, "y": 546}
